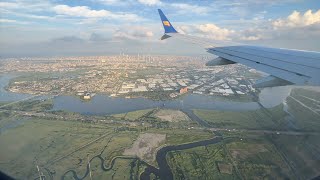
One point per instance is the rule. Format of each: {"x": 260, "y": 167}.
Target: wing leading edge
{"x": 284, "y": 66}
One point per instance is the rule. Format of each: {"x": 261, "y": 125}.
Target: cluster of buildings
{"x": 126, "y": 75}
{"x": 177, "y": 81}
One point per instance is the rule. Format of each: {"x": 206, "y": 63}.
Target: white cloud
{"x": 135, "y": 33}
{"x": 7, "y": 21}
{"x": 85, "y": 11}
{"x": 185, "y": 8}
{"x": 250, "y": 35}
{"x": 210, "y": 31}
{"x": 80, "y": 11}
{"x": 297, "y": 26}
{"x": 215, "y": 32}
{"x": 185, "y": 29}
{"x": 9, "y": 5}
{"x": 296, "y": 19}
{"x": 13, "y": 21}
{"x": 150, "y": 2}
{"x": 113, "y": 2}
{"x": 179, "y": 7}
{"x": 109, "y": 1}
{"x": 250, "y": 38}
{"x": 26, "y": 9}
{"x": 27, "y": 6}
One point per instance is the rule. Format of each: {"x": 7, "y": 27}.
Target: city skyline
{"x": 69, "y": 28}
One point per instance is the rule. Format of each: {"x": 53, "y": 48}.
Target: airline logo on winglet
{"x": 166, "y": 23}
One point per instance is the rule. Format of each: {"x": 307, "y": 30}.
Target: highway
{"x": 51, "y": 116}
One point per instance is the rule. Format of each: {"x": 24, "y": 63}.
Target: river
{"x": 104, "y": 105}
{"x": 6, "y": 96}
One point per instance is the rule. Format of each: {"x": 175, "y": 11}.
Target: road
{"x": 28, "y": 98}
{"x": 205, "y": 125}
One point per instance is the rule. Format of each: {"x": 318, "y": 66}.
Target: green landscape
{"x": 231, "y": 159}
{"x": 57, "y": 146}
{"x": 306, "y": 118}
{"x": 120, "y": 146}
{"x": 256, "y": 119}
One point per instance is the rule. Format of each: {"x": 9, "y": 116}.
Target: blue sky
{"x": 102, "y": 27}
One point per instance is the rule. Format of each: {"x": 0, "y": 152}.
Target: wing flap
{"x": 298, "y": 53}
{"x": 272, "y": 61}
{"x": 270, "y": 81}
{"x": 296, "y": 57}
{"x": 281, "y": 73}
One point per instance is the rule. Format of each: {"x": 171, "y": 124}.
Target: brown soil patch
{"x": 225, "y": 168}
{"x": 171, "y": 115}
{"x": 251, "y": 149}
{"x": 145, "y": 146}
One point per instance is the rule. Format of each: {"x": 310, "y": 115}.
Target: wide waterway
{"x": 103, "y": 104}
{"x": 6, "y": 96}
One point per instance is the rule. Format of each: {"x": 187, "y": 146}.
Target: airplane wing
{"x": 285, "y": 66}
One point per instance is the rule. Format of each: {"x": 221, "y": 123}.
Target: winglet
{"x": 168, "y": 28}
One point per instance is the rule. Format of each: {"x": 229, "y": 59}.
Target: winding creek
{"x": 164, "y": 171}
{"x": 102, "y": 165}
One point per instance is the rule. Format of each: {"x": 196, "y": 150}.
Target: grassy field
{"x": 304, "y": 106}
{"x": 159, "y": 118}
{"x": 124, "y": 169}
{"x": 3, "y": 103}
{"x": 246, "y": 159}
{"x": 198, "y": 163}
{"x": 32, "y": 105}
{"x": 60, "y": 146}
{"x": 133, "y": 115}
{"x": 259, "y": 159}
{"x": 4, "y": 115}
{"x": 306, "y": 92}
{"x": 7, "y": 121}
{"x": 186, "y": 136}
{"x": 257, "y": 119}
{"x": 171, "y": 115}
{"x": 57, "y": 145}
{"x": 302, "y": 152}
{"x": 181, "y": 136}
